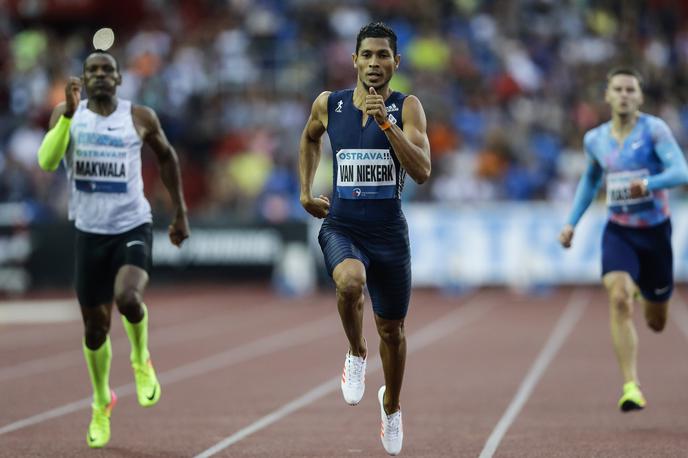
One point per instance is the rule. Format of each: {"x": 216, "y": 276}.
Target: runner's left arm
{"x": 411, "y": 145}
{"x": 153, "y": 136}
{"x": 675, "y": 171}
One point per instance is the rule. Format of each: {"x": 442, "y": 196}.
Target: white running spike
{"x": 353, "y": 379}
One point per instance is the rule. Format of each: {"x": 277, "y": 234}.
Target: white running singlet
{"x": 103, "y": 164}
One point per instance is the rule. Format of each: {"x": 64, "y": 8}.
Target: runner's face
{"x": 624, "y": 94}
{"x": 101, "y": 77}
{"x": 375, "y": 62}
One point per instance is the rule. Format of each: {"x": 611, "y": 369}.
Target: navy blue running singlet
{"x": 365, "y": 220}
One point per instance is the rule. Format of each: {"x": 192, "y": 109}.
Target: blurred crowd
{"x": 508, "y": 86}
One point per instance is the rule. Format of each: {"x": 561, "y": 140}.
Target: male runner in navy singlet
{"x": 378, "y": 136}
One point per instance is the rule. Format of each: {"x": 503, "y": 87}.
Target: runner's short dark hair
{"x": 102, "y": 51}
{"x": 377, "y": 30}
{"x": 623, "y": 70}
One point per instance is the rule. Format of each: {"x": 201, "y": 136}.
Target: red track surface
{"x": 229, "y": 357}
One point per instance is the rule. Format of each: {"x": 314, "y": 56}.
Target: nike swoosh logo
{"x": 637, "y": 144}
{"x": 134, "y": 242}
{"x": 113, "y": 128}
{"x": 91, "y": 438}
{"x": 152, "y": 396}
{"x": 662, "y": 290}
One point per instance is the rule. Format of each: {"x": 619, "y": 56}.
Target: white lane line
{"x": 158, "y": 338}
{"x": 429, "y": 334}
{"x": 252, "y": 350}
{"x": 39, "y": 311}
{"x": 41, "y": 365}
{"x": 569, "y": 317}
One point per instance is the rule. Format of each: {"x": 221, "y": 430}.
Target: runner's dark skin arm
{"x": 58, "y": 111}
{"x": 309, "y": 157}
{"x": 148, "y": 126}
{"x": 411, "y": 145}
{"x": 72, "y": 99}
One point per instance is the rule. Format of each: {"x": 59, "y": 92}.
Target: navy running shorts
{"x": 384, "y": 250}
{"x": 100, "y": 256}
{"x": 645, "y": 253}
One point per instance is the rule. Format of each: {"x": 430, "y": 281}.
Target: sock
{"x": 98, "y": 362}
{"x": 138, "y": 337}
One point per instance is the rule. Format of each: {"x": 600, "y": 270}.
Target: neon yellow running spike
{"x": 98, "y": 433}
{"x": 147, "y": 385}
{"x": 632, "y": 398}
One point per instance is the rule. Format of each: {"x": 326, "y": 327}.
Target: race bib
{"x": 100, "y": 171}
{"x": 619, "y": 198}
{"x": 366, "y": 174}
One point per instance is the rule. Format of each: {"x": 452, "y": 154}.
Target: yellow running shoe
{"x": 632, "y": 398}
{"x": 147, "y": 385}
{"x": 98, "y": 433}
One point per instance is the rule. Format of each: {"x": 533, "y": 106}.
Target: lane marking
{"x": 567, "y": 321}
{"x": 427, "y": 335}
{"x": 275, "y": 343}
{"x": 160, "y": 337}
{"x": 39, "y": 311}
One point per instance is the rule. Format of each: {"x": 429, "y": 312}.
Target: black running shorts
{"x": 385, "y": 252}
{"x": 100, "y": 256}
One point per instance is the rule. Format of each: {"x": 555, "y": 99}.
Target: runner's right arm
{"x": 55, "y": 142}
{"x": 587, "y": 189}
{"x": 309, "y": 157}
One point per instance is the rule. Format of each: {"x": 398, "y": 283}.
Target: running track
{"x": 246, "y": 373}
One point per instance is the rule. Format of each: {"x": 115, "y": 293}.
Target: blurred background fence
{"x": 509, "y": 88}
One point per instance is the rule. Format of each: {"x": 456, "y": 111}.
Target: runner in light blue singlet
{"x": 639, "y": 158}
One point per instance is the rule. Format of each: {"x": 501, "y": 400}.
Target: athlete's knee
{"x": 621, "y": 302}
{"x": 391, "y": 332}
{"x": 350, "y": 283}
{"x": 129, "y": 302}
{"x": 95, "y": 333}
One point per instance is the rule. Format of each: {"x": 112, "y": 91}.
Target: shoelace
{"x": 354, "y": 368}
{"x": 392, "y": 426}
